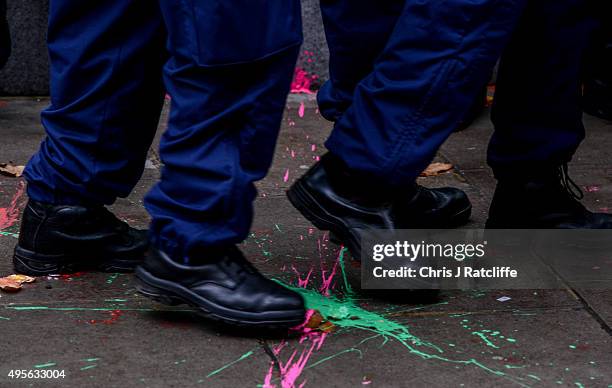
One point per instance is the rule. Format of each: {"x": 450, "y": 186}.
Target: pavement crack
{"x": 602, "y": 322}
{"x": 275, "y": 362}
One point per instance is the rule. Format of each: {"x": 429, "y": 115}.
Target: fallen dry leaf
{"x": 10, "y": 169}
{"x": 315, "y": 320}
{"x": 21, "y": 278}
{"x": 327, "y": 327}
{"x": 13, "y": 283}
{"x": 437, "y": 169}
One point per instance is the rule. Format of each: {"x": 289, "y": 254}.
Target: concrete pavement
{"x": 101, "y": 333}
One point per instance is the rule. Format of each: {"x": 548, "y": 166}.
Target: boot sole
{"x": 340, "y": 233}
{"x": 173, "y": 294}
{"x": 35, "y": 264}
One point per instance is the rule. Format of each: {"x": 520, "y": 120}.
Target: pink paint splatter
{"x": 303, "y": 283}
{"x": 10, "y": 216}
{"x": 302, "y": 82}
{"x": 311, "y": 339}
{"x": 114, "y": 317}
{"x": 292, "y": 369}
{"x": 286, "y": 177}
{"x": 301, "y": 109}
{"x": 327, "y": 281}
{"x": 592, "y": 189}
{"x": 313, "y": 147}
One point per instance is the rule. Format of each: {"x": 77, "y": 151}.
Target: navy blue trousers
{"x": 227, "y": 66}
{"x": 403, "y": 73}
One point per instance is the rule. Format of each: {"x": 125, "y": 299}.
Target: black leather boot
{"x": 334, "y": 199}
{"x": 546, "y": 201}
{"x": 58, "y": 239}
{"x": 223, "y": 286}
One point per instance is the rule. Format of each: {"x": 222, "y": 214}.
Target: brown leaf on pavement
{"x": 9, "y": 169}
{"x": 327, "y": 327}
{"x": 437, "y": 169}
{"x": 13, "y": 283}
{"x": 315, "y": 320}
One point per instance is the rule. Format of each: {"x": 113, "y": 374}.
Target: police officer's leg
{"x": 356, "y": 31}
{"x": 437, "y": 57}
{"x": 426, "y": 78}
{"x": 106, "y": 97}
{"x": 538, "y": 119}
{"x": 229, "y": 74}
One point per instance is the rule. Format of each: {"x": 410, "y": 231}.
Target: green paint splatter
{"x": 90, "y": 359}
{"x": 89, "y": 367}
{"x": 9, "y": 234}
{"x": 459, "y": 315}
{"x": 514, "y": 366}
{"x": 347, "y": 286}
{"x": 346, "y": 314}
{"x": 244, "y": 356}
{"x": 5, "y": 318}
{"x": 535, "y": 377}
{"x": 572, "y": 346}
{"x": 349, "y": 350}
{"x": 485, "y": 339}
{"x": 115, "y": 300}
{"x": 112, "y": 278}
{"x": 45, "y": 365}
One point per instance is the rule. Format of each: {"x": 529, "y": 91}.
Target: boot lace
{"x": 568, "y": 184}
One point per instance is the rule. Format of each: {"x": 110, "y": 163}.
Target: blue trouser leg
{"x": 229, "y": 74}
{"x": 357, "y": 31}
{"x": 537, "y": 114}
{"x": 436, "y": 59}
{"x": 106, "y": 97}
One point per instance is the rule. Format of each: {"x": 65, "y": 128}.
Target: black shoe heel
{"x": 26, "y": 263}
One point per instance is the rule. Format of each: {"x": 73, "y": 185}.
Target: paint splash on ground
{"x": 112, "y": 319}
{"x": 9, "y": 216}
{"x": 303, "y": 82}
{"x": 311, "y": 340}
{"x": 345, "y": 313}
